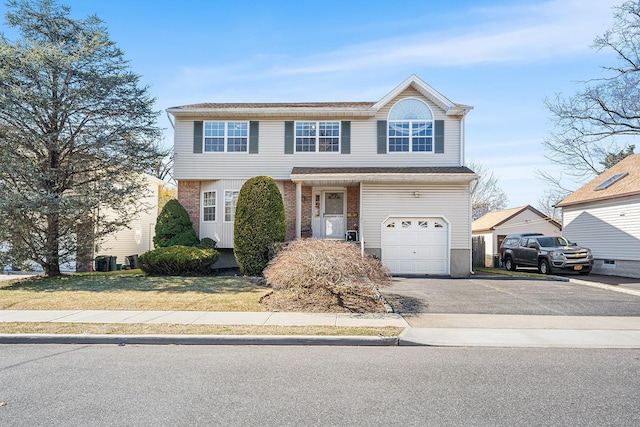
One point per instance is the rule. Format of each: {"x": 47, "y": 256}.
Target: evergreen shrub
{"x": 174, "y": 227}
{"x": 259, "y": 224}
{"x": 178, "y": 261}
{"x": 207, "y": 243}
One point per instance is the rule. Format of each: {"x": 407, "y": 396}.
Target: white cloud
{"x": 542, "y": 31}
{"x": 514, "y": 34}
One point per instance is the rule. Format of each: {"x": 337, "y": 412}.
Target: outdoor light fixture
{"x": 416, "y": 194}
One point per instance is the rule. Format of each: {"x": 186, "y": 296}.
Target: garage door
{"x": 415, "y": 245}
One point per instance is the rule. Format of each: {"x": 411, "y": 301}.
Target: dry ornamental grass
{"x": 324, "y": 276}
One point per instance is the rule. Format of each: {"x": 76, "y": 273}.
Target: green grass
{"x": 132, "y": 290}
{"x": 510, "y": 273}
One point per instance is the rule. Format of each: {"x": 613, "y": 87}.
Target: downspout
{"x": 470, "y": 232}
{"x": 462, "y": 141}
{"x": 298, "y": 209}
{"x": 462, "y": 144}
{"x": 173, "y": 125}
{"x": 360, "y": 229}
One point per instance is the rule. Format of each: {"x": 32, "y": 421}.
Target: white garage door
{"x": 415, "y": 245}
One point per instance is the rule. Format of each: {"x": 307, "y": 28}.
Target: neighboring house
{"x": 494, "y": 226}
{"x": 604, "y": 215}
{"x": 138, "y": 238}
{"x": 387, "y": 174}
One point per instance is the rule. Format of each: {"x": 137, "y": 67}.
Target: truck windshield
{"x": 548, "y": 242}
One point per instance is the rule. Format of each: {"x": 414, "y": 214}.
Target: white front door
{"x": 333, "y": 217}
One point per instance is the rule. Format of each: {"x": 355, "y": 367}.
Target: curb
{"x": 279, "y": 340}
{"x": 606, "y": 286}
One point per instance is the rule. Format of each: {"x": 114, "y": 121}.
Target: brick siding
{"x": 189, "y": 197}
{"x": 353, "y": 207}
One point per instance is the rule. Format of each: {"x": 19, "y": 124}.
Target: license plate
{"x": 577, "y": 267}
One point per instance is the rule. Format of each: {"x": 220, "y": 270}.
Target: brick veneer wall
{"x": 353, "y": 207}
{"x": 189, "y": 197}
{"x": 290, "y": 210}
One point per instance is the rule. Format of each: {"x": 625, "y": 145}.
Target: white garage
{"x": 415, "y": 245}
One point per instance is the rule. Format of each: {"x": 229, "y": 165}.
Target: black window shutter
{"x": 438, "y": 132}
{"x": 254, "y": 129}
{"x": 345, "y": 137}
{"x": 288, "y": 137}
{"x": 382, "y": 137}
{"x": 197, "y": 136}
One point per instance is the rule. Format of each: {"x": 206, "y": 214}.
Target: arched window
{"x": 410, "y": 127}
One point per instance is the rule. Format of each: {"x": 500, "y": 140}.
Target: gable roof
{"x": 450, "y": 108}
{"x": 319, "y": 109}
{"x": 491, "y": 220}
{"x": 627, "y": 185}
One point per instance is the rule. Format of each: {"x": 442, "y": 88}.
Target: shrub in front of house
{"x": 207, "y": 243}
{"x": 332, "y": 267}
{"x": 259, "y": 224}
{"x": 174, "y": 227}
{"x": 178, "y": 261}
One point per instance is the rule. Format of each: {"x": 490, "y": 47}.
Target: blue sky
{"x": 501, "y": 56}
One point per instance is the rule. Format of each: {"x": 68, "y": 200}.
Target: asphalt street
{"x": 100, "y": 385}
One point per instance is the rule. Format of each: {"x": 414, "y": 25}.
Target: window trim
{"x": 317, "y": 137}
{"x": 410, "y": 123}
{"x": 225, "y": 137}
{"x": 234, "y": 207}
{"x": 214, "y": 206}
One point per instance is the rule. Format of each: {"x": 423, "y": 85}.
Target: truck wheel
{"x": 509, "y": 265}
{"x": 543, "y": 267}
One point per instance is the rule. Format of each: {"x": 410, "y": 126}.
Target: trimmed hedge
{"x": 174, "y": 227}
{"x": 259, "y": 224}
{"x": 178, "y": 261}
{"x": 207, "y": 243}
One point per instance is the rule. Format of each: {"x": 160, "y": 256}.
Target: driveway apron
{"x": 504, "y": 295}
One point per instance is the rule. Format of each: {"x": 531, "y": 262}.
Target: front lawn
{"x": 132, "y": 290}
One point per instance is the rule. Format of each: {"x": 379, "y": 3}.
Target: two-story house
{"x": 388, "y": 175}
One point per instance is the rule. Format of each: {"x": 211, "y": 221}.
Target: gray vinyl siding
{"x": 451, "y": 202}
{"x": 272, "y": 161}
{"x": 611, "y": 230}
{"x": 221, "y": 230}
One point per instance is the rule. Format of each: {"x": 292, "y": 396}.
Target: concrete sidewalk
{"x": 205, "y": 318}
{"x": 488, "y": 330}
{"x": 422, "y": 329}
{"x": 450, "y": 330}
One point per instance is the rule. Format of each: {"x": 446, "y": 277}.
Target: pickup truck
{"x": 549, "y": 253}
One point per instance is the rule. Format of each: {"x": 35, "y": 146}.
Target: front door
{"x": 333, "y": 217}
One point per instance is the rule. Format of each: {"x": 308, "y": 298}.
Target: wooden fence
{"x": 477, "y": 251}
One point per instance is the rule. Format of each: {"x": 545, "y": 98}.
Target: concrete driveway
{"x": 504, "y": 295}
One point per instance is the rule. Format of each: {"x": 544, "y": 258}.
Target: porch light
{"x": 416, "y": 194}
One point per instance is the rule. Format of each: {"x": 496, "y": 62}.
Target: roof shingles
{"x": 627, "y": 186}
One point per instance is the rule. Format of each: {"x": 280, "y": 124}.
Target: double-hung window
{"x": 410, "y": 127}
{"x": 317, "y": 137}
{"x": 229, "y": 137}
{"x": 230, "y": 202}
{"x": 209, "y": 206}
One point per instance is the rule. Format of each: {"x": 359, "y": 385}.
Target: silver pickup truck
{"x": 549, "y": 253}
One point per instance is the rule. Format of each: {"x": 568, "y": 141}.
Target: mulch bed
{"x": 322, "y": 302}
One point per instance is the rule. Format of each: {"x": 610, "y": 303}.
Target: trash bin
{"x": 112, "y": 263}
{"x": 102, "y": 263}
{"x": 132, "y": 261}
{"x": 496, "y": 261}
